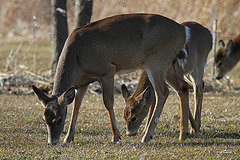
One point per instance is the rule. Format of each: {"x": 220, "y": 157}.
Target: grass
{"x": 29, "y": 50}
{"x": 23, "y": 135}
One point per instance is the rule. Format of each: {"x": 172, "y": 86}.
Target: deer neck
{"x": 65, "y": 72}
{"x": 235, "y": 56}
{"x": 63, "y": 80}
{"x": 70, "y": 74}
{"x": 143, "y": 83}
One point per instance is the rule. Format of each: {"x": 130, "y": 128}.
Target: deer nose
{"x": 53, "y": 142}
{"x": 219, "y": 77}
{"x": 131, "y": 133}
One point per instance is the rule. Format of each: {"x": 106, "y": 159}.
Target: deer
{"x": 99, "y": 50}
{"x": 227, "y": 57}
{"x": 141, "y": 102}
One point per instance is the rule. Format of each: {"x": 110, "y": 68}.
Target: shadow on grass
{"x": 101, "y": 136}
{"x": 225, "y": 134}
{"x": 221, "y": 134}
{"x": 192, "y": 144}
{"x": 205, "y": 138}
{"x": 204, "y": 134}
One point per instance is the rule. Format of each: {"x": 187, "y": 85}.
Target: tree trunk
{"x": 59, "y": 30}
{"x": 83, "y": 12}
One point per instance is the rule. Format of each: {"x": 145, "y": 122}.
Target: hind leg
{"x": 182, "y": 89}
{"x": 198, "y": 86}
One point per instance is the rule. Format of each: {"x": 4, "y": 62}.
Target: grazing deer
{"x": 95, "y": 52}
{"x": 138, "y": 104}
{"x": 227, "y": 58}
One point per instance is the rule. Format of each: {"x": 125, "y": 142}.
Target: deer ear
{"x": 221, "y": 43}
{"x": 41, "y": 95}
{"x": 229, "y": 47}
{"x": 144, "y": 97}
{"x": 125, "y": 92}
{"x": 67, "y": 97}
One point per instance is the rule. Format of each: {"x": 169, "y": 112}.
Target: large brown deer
{"x": 95, "y": 52}
{"x": 140, "y": 103}
{"x": 227, "y": 57}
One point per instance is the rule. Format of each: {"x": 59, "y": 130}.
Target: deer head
{"x": 55, "y": 111}
{"x": 136, "y": 109}
{"x": 224, "y": 62}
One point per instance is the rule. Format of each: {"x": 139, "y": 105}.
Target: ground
{"x": 24, "y": 135}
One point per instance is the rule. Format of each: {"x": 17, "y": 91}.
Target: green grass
{"x": 23, "y": 135}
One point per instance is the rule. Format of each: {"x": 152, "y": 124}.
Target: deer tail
{"x": 183, "y": 54}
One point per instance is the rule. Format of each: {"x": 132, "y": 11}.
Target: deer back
{"x": 122, "y": 42}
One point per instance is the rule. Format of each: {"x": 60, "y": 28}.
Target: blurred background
{"x": 21, "y": 19}
{"x": 26, "y": 35}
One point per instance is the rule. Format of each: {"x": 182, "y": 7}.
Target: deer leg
{"x": 76, "y": 106}
{"x": 107, "y": 83}
{"x": 181, "y": 87}
{"x": 150, "y": 112}
{"x": 198, "y": 86}
{"x": 161, "y": 94}
{"x": 192, "y": 121}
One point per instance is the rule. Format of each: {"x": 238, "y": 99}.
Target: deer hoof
{"x": 68, "y": 139}
{"x": 183, "y": 136}
{"x": 146, "y": 139}
{"x": 116, "y": 139}
{"x": 195, "y": 130}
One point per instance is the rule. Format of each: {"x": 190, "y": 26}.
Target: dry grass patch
{"x": 23, "y": 135}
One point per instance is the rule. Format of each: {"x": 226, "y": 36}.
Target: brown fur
{"x": 95, "y": 52}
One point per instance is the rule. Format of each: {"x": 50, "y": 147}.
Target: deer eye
{"x": 220, "y": 64}
{"x": 133, "y": 119}
{"x": 57, "y": 120}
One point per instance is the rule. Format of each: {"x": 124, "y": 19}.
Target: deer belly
{"x": 127, "y": 71}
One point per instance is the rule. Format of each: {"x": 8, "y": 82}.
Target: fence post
{"x": 214, "y": 34}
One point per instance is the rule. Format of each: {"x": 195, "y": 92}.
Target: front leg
{"x": 107, "y": 83}
{"x": 76, "y": 106}
{"x": 161, "y": 93}
{"x": 150, "y": 112}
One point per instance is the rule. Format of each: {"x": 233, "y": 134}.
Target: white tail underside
{"x": 183, "y": 61}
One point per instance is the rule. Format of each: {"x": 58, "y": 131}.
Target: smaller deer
{"x": 227, "y": 57}
{"x": 143, "y": 99}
